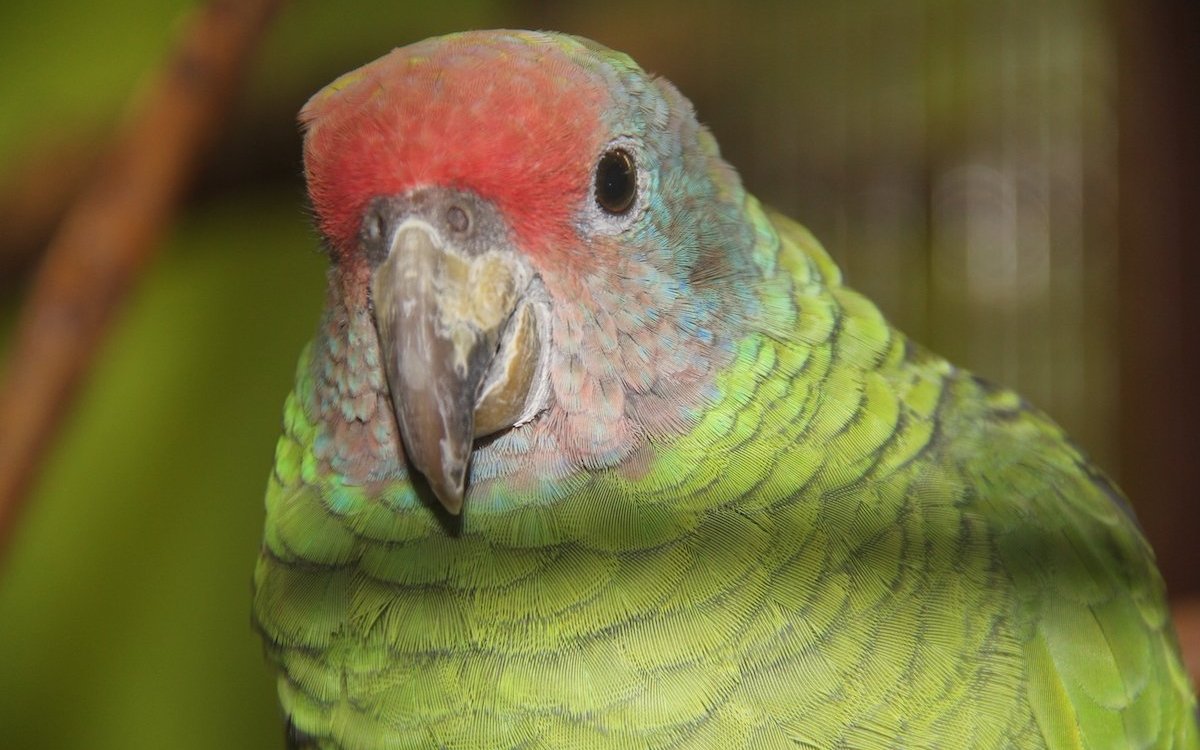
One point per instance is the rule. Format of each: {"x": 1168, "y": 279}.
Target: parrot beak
{"x": 461, "y": 347}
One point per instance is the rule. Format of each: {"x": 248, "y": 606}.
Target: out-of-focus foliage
{"x": 123, "y": 603}
{"x": 68, "y": 66}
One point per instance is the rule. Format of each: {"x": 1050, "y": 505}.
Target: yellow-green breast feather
{"x": 747, "y": 512}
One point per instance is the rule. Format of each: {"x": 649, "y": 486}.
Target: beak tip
{"x": 448, "y": 487}
{"x": 452, "y": 502}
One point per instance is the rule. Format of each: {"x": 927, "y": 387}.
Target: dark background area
{"x": 1016, "y": 184}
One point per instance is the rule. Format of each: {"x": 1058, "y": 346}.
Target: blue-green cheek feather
{"x": 853, "y": 544}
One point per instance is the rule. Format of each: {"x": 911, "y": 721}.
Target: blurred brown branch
{"x": 111, "y": 231}
{"x": 35, "y": 195}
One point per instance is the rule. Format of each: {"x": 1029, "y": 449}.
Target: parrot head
{"x": 545, "y": 239}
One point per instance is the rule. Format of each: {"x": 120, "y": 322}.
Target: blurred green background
{"x": 1012, "y": 182}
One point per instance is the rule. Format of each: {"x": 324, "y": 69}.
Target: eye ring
{"x": 616, "y": 181}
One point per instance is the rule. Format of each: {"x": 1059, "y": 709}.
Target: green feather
{"x": 854, "y": 544}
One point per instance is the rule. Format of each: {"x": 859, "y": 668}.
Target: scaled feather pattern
{"x": 741, "y": 509}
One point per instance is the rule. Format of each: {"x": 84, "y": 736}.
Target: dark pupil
{"x": 615, "y": 183}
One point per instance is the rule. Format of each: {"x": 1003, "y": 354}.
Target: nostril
{"x": 458, "y": 219}
{"x": 375, "y": 226}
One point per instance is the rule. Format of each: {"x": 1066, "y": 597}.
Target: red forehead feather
{"x": 514, "y": 120}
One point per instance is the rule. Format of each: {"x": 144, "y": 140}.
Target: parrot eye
{"x": 616, "y": 181}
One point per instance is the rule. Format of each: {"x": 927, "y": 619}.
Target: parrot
{"x": 591, "y": 449}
